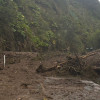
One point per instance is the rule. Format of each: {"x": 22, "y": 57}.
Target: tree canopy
{"x": 28, "y": 25}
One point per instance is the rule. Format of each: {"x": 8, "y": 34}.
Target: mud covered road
{"x": 19, "y": 80}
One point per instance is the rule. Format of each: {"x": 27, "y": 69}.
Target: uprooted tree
{"x": 72, "y": 64}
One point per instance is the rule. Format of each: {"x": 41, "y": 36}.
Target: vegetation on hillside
{"x": 29, "y": 25}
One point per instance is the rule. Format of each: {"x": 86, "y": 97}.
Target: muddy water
{"x": 70, "y": 89}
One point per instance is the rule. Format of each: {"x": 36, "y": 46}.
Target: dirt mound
{"x": 92, "y": 58}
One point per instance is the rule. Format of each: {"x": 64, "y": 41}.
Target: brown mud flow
{"x": 20, "y": 81}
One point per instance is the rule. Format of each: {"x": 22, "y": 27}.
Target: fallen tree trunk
{"x": 42, "y": 69}
{"x": 71, "y": 64}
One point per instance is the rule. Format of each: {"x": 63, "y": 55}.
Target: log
{"x": 73, "y": 64}
{"x": 97, "y": 70}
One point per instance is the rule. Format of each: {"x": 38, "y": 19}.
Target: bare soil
{"x": 19, "y": 80}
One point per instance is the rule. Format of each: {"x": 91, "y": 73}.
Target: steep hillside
{"x": 28, "y": 25}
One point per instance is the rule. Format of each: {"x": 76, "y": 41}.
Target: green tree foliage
{"x": 96, "y": 39}
{"x": 49, "y": 25}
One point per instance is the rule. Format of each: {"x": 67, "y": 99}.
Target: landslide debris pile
{"x": 86, "y": 65}
{"x": 73, "y": 65}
